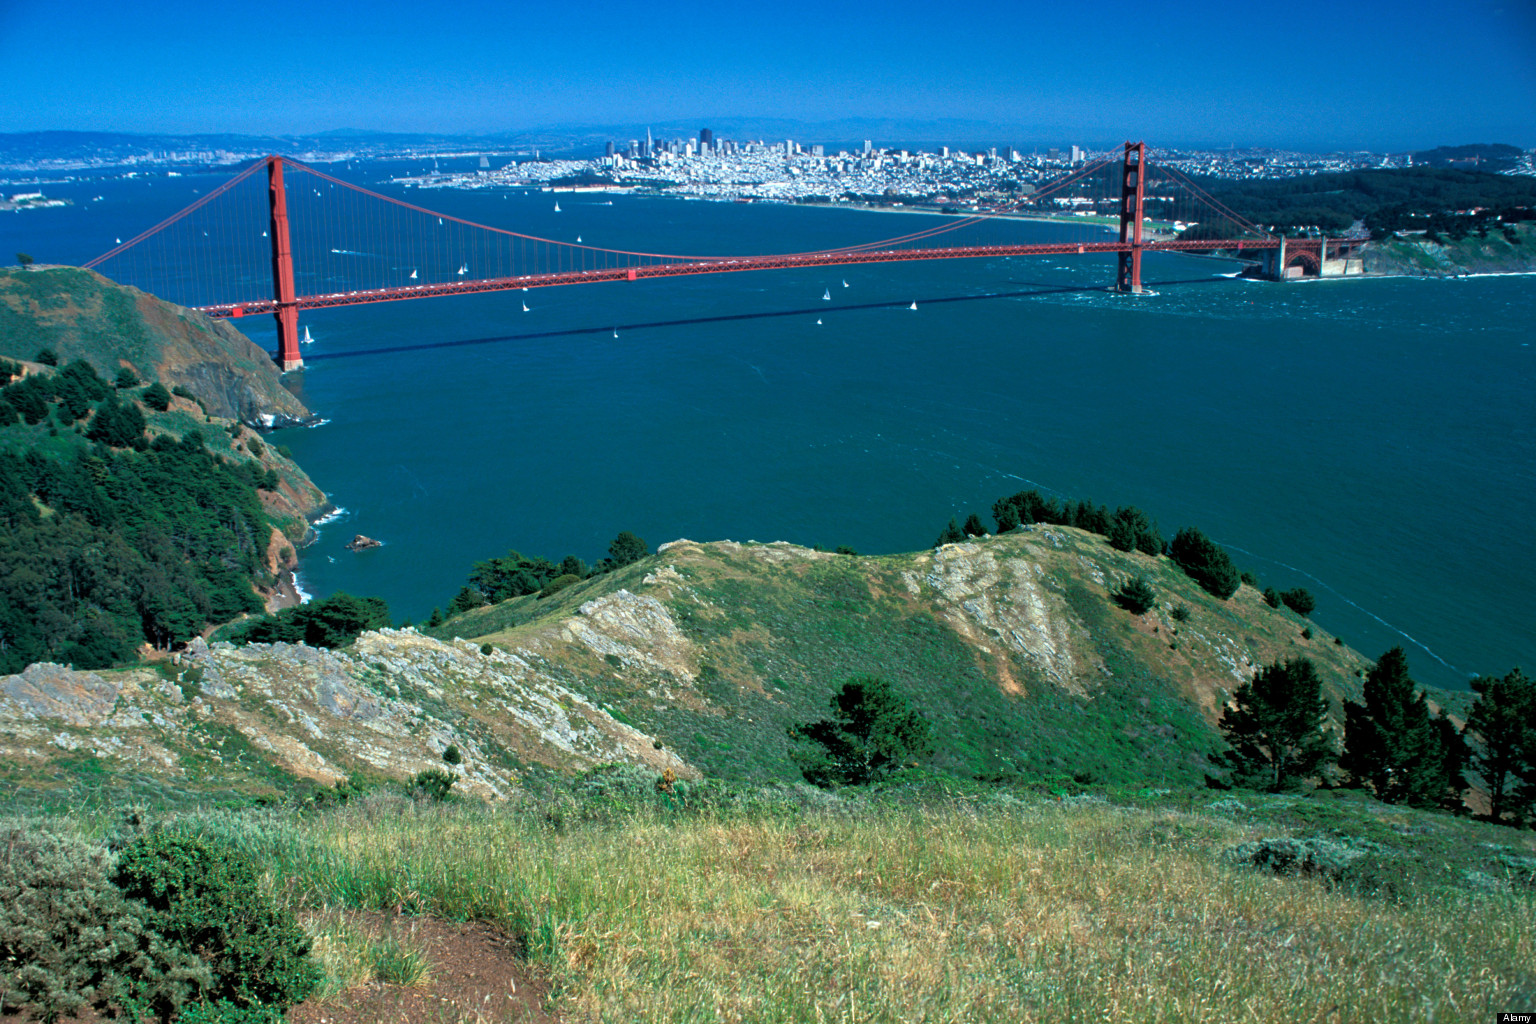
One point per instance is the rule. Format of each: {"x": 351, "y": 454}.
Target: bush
{"x": 434, "y": 784}
{"x": 1204, "y": 562}
{"x": 207, "y": 900}
{"x": 334, "y": 621}
{"x": 1180, "y": 614}
{"x": 1298, "y": 600}
{"x": 451, "y": 754}
{"x": 68, "y": 939}
{"x": 1272, "y": 597}
{"x": 1136, "y": 596}
{"x": 46, "y": 356}
{"x": 155, "y": 396}
{"x": 125, "y": 378}
{"x": 558, "y": 584}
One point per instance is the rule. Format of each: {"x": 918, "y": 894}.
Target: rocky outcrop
{"x": 388, "y": 707}
{"x": 361, "y": 543}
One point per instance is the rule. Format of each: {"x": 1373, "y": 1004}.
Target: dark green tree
{"x": 435, "y": 619}
{"x": 1298, "y": 600}
{"x": 1392, "y": 746}
{"x": 951, "y": 534}
{"x": 1131, "y": 530}
{"x": 126, "y": 378}
{"x": 1204, "y": 562}
{"x": 626, "y": 549}
{"x": 464, "y": 600}
{"x": 873, "y": 731}
{"x": 1272, "y": 597}
{"x": 46, "y": 356}
{"x": 1136, "y": 596}
{"x": 334, "y": 621}
{"x": 570, "y": 565}
{"x": 1503, "y": 722}
{"x": 973, "y": 526}
{"x": 23, "y": 261}
{"x": 1274, "y": 728}
{"x": 156, "y": 397}
{"x": 117, "y": 424}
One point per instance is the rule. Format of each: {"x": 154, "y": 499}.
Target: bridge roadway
{"x": 726, "y": 265}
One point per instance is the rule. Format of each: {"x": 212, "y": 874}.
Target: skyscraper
{"x": 706, "y": 140}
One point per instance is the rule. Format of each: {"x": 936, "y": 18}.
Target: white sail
{"x": 578, "y": 238}
{"x": 525, "y": 307}
{"x": 827, "y": 294}
{"x": 818, "y": 323}
{"x": 307, "y": 339}
{"x": 557, "y": 206}
{"x": 413, "y": 274}
{"x": 845, "y": 282}
{"x": 913, "y": 306}
{"x": 463, "y": 269}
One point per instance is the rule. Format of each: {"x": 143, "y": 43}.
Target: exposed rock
{"x": 361, "y": 543}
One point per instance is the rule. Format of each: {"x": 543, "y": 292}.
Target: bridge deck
{"x": 726, "y": 266}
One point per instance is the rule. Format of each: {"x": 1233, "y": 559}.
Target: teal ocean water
{"x": 1374, "y": 441}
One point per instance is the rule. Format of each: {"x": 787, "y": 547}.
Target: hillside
{"x": 697, "y": 658}
{"x": 79, "y": 314}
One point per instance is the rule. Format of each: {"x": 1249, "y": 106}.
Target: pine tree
{"x": 1275, "y": 728}
{"x": 1391, "y": 744}
{"x": 952, "y": 534}
{"x": 973, "y": 526}
{"x": 1504, "y": 722}
{"x": 1204, "y": 562}
{"x": 874, "y": 731}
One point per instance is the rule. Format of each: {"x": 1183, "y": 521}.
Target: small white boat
{"x": 525, "y": 307}
{"x": 845, "y": 282}
{"x": 827, "y": 295}
{"x": 615, "y": 332}
{"x": 578, "y": 238}
{"x": 413, "y": 274}
{"x": 818, "y": 323}
{"x": 913, "y": 306}
{"x": 119, "y": 241}
{"x": 306, "y": 339}
{"x": 464, "y": 269}
{"x": 439, "y": 222}
{"x": 557, "y": 206}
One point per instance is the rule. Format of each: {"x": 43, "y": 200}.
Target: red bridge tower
{"x": 287, "y": 307}
{"x": 1132, "y": 196}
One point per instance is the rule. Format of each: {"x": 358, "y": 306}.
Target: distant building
{"x": 608, "y": 149}
{"x": 706, "y": 139}
{"x": 818, "y": 151}
{"x": 868, "y": 147}
{"x": 789, "y": 147}
{"x": 1077, "y": 154}
{"x": 1053, "y": 154}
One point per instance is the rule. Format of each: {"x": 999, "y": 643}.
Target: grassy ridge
{"x": 974, "y": 907}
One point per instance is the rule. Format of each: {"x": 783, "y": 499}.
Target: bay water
{"x": 1371, "y": 440}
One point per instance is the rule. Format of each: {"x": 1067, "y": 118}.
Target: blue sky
{"x": 1374, "y": 74}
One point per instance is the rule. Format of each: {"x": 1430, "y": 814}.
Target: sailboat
{"x": 306, "y": 339}
{"x": 845, "y": 282}
{"x": 818, "y": 323}
{"x": 557, "y": 206}
{"x": 578, "y": 238}
{"x": 913, "y": 306}
{"x": 525, "y": 307}
{"x": 413, "y": 274}
{"x": 827, "y": 294}
{"x": 615, "y": 332}
{"x": 463, "y": 269}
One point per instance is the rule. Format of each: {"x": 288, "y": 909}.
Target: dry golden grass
{"x": 1014, "y": 912}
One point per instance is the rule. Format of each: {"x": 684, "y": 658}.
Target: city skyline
{"x": 1369, "y": 75}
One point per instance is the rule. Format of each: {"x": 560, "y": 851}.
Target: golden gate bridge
{"x": 206, "y": 255}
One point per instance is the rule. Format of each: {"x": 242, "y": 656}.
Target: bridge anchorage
{"x": 330, "y": 235}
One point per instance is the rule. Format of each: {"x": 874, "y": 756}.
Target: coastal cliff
{"x": 78, "y": 314}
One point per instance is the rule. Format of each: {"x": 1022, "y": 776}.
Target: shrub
{"x": 125, "y": 378}
{"x": 334, "y": 621}
{"x": 951, "y": 534}
{"x": 451, "y": 754}
{"x": 434, "y": 784}
{"x": 46, "y": 356}
{"x": 1298, "y": 600}
{"x": 558, "y": 584}
{"x": 68, "y": 939}
{"x": 1180, "y": 613}
{"x": 225, "y": 1012}
{"x": 1136, "y": 596}
{"x": 1272, "y": 597}
{"x": 1204, "y": 562}
{"x": 627, "y": 548}
{"x": 206, "y": 900}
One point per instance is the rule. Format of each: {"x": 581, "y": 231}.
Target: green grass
{"x": 983, "y": 909}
